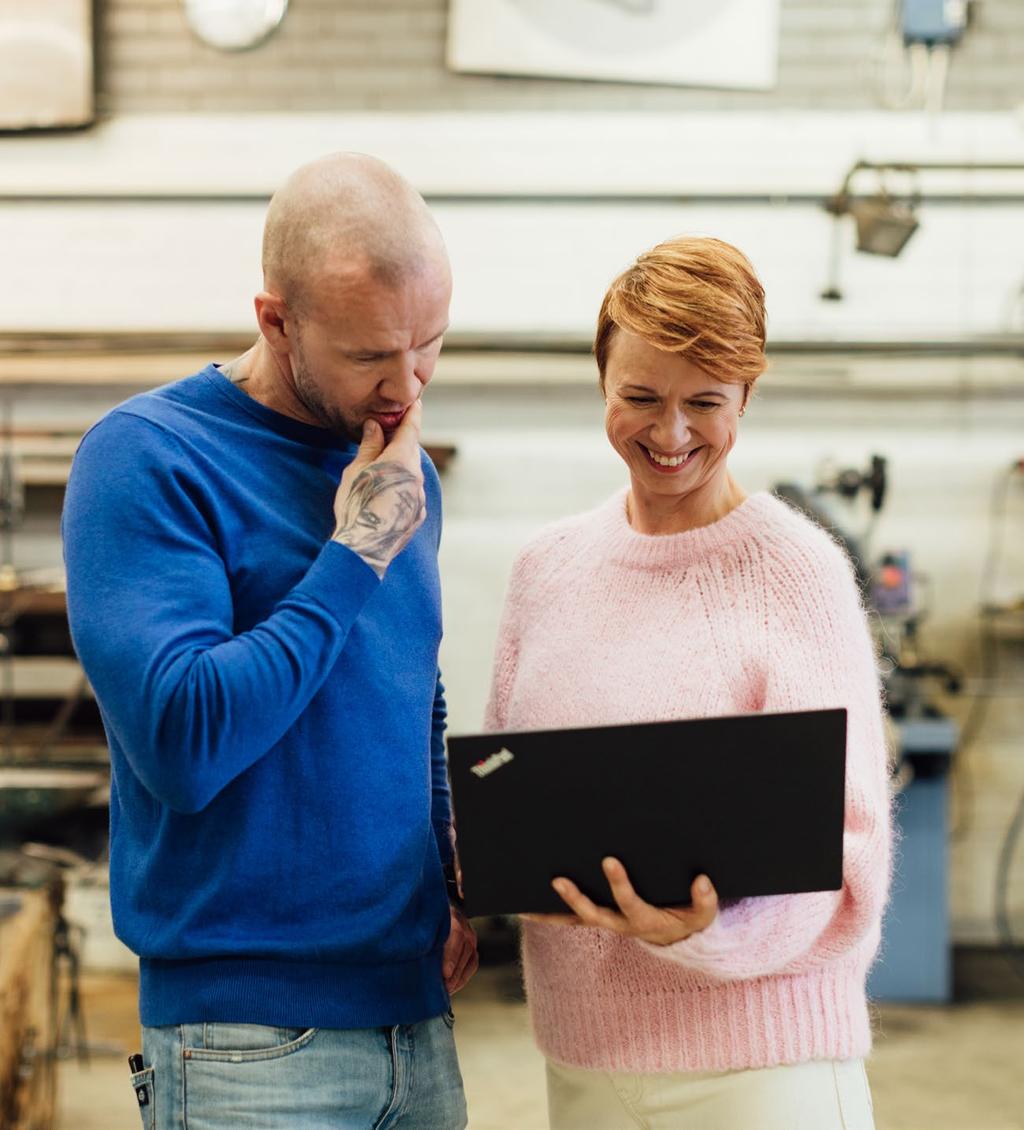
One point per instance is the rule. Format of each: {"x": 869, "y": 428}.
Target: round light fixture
{"x": 234, "y": 25}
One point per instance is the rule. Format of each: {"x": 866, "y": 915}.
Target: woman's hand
{"x": 638, "y": 919}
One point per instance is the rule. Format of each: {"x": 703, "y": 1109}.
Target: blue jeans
{"x": 251, "y": 1077}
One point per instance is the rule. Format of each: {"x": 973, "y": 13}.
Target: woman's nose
{"x": 672, "y": 430}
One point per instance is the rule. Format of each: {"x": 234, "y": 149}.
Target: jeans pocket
{"x": 246, "y": 1043}
{"x": 145, "y": 1096}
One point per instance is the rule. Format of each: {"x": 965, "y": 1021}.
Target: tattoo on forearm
{"x": 381, "y": 512}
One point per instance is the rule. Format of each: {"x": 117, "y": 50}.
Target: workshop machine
{"x": 915, "y": 959}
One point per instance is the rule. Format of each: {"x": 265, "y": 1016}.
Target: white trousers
{"x": 820, "y": 1095}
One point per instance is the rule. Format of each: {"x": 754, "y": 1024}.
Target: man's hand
{"x": 638, "y": 919}
{"x": 380, "y": 502}
{"x": 460, "y": 959}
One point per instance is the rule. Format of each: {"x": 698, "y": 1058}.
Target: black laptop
{"x": 754, "y": 801}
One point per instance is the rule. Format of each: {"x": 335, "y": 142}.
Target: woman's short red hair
{"x": 695, "y": 296}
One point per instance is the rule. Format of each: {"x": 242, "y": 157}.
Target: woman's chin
{"x": 657, "y": 482}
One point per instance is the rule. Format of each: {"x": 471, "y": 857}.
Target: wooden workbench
{"x": 27, "y": 1036}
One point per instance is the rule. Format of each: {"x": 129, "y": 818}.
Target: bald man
{"x": 253, "y": 592}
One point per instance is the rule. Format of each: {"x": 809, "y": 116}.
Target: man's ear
{"x": 274, "y": 320}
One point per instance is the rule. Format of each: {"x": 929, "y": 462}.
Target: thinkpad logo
{"x": 490, "y": 764}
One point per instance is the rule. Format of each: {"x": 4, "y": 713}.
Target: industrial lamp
{"x": 883, "y": 225}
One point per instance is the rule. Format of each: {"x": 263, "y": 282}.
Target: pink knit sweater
{"x": 756, "y": 612}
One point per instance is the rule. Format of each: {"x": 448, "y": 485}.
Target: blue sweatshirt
{"x": 279, "y": 811}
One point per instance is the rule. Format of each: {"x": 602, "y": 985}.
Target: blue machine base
{"x": 915, "y": 962}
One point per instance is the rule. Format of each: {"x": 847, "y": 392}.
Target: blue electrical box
{"x": 933, "y": 21}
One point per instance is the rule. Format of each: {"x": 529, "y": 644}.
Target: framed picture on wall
{"x": 46, "y": 63}
{"x": 721, "y": 43}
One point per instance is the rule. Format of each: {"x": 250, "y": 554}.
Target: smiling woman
{"x": 680, "y": 342}
{"x": 674, "y": 426}
{"x": 680, "y": 597}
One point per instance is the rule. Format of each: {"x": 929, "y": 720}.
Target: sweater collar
{"x": 654, "y": 551}
{"x": 294, "y": 429}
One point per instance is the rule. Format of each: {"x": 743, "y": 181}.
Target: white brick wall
{"x": 389, "y": 55}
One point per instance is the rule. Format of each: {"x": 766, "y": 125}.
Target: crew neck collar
{"x": 284, "y": 425}
{"x": 655, "y": 550}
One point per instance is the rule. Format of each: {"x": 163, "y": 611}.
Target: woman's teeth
{"x": 668, "y": 460}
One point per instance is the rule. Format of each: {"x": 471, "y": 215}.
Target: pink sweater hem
{"x": 763, "y": 1022}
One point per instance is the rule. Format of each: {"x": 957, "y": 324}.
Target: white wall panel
{"x": 521, "y": 265}
{"x": 519, "y": 268}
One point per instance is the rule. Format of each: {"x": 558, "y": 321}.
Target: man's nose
{"x": 407, "y": 380}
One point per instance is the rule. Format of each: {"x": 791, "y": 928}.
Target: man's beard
{"x": 309, "y": 397}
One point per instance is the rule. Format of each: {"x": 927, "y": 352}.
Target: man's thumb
{"x": 372, "y": 443}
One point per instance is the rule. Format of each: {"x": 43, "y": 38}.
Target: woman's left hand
{"x": 638, "y": 919}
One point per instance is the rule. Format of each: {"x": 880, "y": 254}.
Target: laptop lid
{"x": 754, "y": 801}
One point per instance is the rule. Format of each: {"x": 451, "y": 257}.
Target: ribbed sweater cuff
{"x": 341, "y": 581}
